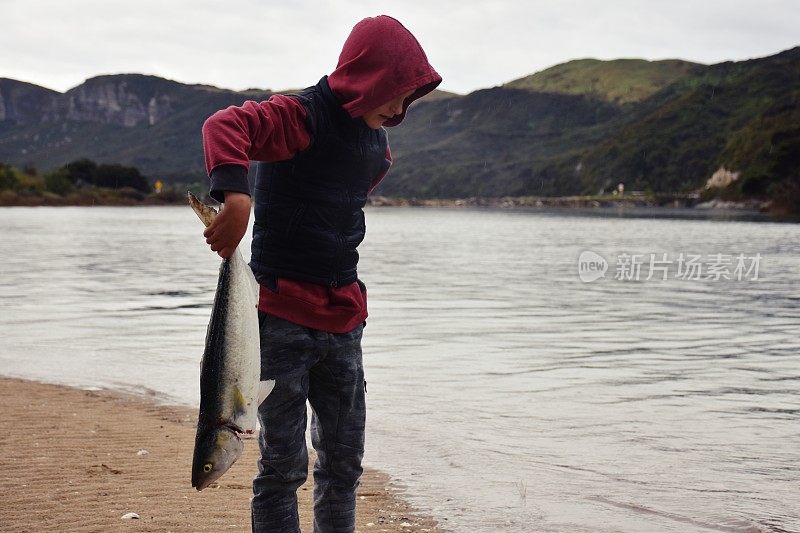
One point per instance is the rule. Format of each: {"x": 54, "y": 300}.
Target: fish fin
{"x": 239, "y": 401}
{"x": 205, "y": 212}
{"x": 264, "y": 388}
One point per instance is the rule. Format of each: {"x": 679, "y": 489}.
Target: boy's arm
{"x": 272, "y": 130}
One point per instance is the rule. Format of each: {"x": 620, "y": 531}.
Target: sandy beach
{"x": 78, "y": 460}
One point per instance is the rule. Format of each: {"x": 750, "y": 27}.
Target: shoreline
{"x": 677, "y": 201}
{"x": 668, "y": 201}
{"x": 74, "y": 459}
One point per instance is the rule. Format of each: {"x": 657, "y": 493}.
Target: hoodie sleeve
{"x": 272, "y": 130}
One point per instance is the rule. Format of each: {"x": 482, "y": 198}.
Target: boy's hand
{"x": 230, "y": 225}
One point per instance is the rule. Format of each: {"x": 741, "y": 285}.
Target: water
{"x": 504, "y": 394}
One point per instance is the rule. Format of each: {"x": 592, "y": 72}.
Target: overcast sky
{"x": 290, "y": 44}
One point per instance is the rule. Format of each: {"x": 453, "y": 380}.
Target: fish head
{"x": 215, "y": 451}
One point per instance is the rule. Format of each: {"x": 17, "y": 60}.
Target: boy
{"x": 321, "y": 152}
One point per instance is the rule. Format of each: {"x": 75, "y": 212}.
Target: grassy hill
{"x": 620, "y": 81}
{"x": 578, "y": 140}
{"x": 676, "y": 139}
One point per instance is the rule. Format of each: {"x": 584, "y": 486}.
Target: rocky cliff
{"x": 25, "y": 103}
{"x": 145, "y": 121}
{"x": 126, "y": 100}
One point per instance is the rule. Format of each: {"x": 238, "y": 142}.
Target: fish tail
{"x": 205, "y": 212}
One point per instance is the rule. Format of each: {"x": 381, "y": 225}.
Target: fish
{"x": 230, "y": 369}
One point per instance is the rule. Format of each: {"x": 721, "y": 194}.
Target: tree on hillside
{"x": 81, "y": 171}
{"x": 58, "y": 182}
{"x": 113, "y": 176}
{"x": 8, "y": 180}
{"x": 117, "y": 176}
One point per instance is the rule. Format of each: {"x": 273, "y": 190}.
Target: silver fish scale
{"x": 231, "y": 361}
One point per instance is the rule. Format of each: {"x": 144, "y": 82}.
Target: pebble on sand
{"x": 142, "y": 452}
{"x": 130, "y": 516}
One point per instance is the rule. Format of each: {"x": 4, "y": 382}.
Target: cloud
{"x": 249, "y": 43}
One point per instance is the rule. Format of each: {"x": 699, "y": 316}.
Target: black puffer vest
{"x": 309, "y": 216}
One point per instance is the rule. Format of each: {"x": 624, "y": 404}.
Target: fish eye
{"x": 207, "y": 467}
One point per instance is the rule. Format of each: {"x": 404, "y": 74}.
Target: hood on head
{"x": 380, "y": 61}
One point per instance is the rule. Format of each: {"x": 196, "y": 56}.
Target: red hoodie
{"x": 380, "y": 61}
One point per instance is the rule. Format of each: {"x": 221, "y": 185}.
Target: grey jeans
{"x": 326, "y": 369}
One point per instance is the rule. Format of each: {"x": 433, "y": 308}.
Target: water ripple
{"x": 617, "y": 406}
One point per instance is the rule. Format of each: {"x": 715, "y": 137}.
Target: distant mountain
{"x": 492, "y": 142}
{"x": 579, "y": 127}
{"x": 583, "y": 138}
{"x": 133, "y": 119}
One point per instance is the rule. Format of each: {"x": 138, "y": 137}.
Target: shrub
{"x": 81, "y": 171}
{"x": 58, "y": 182}
{"x": 118, "y": 176}
{"x": 8, "y": 178}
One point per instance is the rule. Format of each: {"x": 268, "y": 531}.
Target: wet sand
{"x": 72, "y": 460}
